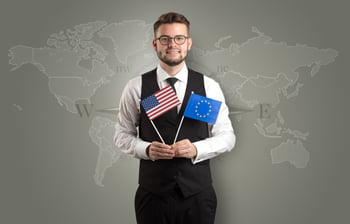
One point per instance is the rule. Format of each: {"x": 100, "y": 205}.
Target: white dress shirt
{"x": 221, "y": 139}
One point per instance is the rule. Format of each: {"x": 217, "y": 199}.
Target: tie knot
{"x": 171, "y": 81}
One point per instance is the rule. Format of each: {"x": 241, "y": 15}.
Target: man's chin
{"x": 172, "y": 63}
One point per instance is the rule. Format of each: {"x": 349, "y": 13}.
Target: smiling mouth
{"x": 173, "y": 51}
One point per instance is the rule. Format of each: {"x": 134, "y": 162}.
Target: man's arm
{"x": 222, "y": 138}
{"x": 128, "y": 119}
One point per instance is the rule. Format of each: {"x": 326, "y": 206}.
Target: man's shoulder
{"x": 191, "y": 71}
{"x": 150, "y": 73}
{"x": 206, "y": 78}
{"x": 138, "y": 78}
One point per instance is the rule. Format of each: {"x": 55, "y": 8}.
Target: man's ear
{"x": 154, "y": 44}
{"x": 189, "y": 43}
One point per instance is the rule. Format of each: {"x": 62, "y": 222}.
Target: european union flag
{"x": 202, "y": 108}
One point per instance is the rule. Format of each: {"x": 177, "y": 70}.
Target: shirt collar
{"x": 181, "y": 75}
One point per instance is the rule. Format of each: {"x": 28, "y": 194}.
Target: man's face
{"x": 172, "y": 53}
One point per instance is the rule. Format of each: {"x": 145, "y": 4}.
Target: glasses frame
{"x": 169, "y": 38}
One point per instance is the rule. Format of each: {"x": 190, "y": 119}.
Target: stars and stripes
{"x": 160, "y": 102}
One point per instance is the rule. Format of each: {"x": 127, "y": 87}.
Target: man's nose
{"x": 171, "y": 42}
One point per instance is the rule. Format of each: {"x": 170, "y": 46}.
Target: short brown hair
{"x": 170, "y": 17}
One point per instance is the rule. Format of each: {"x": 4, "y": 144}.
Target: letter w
{"x": 83, "y": 108}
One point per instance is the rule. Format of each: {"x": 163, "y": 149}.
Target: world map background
{"x": 64, "y": 163}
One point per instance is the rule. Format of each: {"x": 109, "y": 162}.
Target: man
{"x": 175, "y": 184}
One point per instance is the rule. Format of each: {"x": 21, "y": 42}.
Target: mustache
{"x": 173, "y": 49}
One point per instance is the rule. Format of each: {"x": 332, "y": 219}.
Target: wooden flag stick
{"x": 157, "y": 131}
{"x": 178, "y": 129}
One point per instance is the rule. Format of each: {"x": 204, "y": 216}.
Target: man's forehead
{"x": 172, "y": 28}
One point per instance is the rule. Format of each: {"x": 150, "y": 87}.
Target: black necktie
{"x": 172, "y": 81}
{"x": 172, "y": 112}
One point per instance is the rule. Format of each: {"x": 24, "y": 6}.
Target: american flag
{"x": 160, "y": 102}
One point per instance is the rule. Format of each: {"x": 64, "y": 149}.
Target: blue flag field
{"x": 202, "y": 108}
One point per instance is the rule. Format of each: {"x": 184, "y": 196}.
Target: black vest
{"x": 161, "y": 176}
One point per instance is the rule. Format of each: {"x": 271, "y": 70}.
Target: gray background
{"x": 48, "y": 161}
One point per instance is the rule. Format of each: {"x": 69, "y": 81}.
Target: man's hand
{"x": 157, "y": 150}
{"x": 185, "y": 149}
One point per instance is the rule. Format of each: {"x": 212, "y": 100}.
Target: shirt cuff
{"x": 202, "y": 151}
{"x": 140, "y": 149}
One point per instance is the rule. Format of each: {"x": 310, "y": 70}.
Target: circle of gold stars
{"x": 197, "y": 106}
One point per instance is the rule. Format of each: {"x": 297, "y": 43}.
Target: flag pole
{"x": 178, "y": 129}
{"x": 157, "y": 132}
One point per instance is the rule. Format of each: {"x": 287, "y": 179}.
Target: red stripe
{"x": 165, "y": 89}
{"x": 165, "y": 94}
{"x": 160, "y": 112}
{"x": 167, "y": 100}
{"x": 160, "y": 109}
{"x": 164, "y": 107}
{"x": 164, "y": 101}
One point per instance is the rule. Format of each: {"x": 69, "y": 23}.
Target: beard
{"x": 170, "y": 62}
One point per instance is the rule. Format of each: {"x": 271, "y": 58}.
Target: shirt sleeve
{"x": 126, "y": 129}
{"x": 222, "y": 138}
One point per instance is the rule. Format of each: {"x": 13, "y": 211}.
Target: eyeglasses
{"x": 178, "y": 39}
